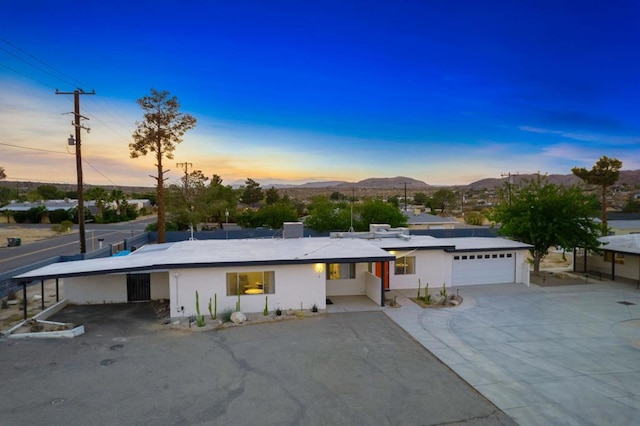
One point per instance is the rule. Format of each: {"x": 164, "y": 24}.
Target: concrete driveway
{"x": 338, "y": 369}
{"x": 555, "y": 355}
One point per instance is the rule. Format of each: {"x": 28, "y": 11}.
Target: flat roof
{"x": 628, "y": 243}
{"x": 426, "y": 242}
{"x": 212, "y": 253}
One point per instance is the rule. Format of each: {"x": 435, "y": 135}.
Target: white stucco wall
{"x": 349, "y": 287}
{"x": 630, "y": 269}
{"x": 96, "y": 289}
{"x": 294, "y": 285}
{"x": 432, "y": 266}
{"x": 373, "y": 287}
{"x": 523, "y": 273}
{"x": 160, "y": 285}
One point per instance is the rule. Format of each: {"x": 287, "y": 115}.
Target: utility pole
{"x": 186, "y": 175}
{"x": 509, "y": 183}
{"x": 78, "y": 126}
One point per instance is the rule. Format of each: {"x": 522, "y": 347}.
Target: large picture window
{"x": 405, "y": 265}
{"x": 341, "y": 271}
{"x": 261, "y": 282}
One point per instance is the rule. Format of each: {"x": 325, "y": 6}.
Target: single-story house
{"x": 418, "y": 219}
{"x": 619, "y": 259}
{"x": 49, "y": 205}
{"x": 292, "y": 272}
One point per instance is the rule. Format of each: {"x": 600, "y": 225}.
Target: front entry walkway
{"x": 543, "y": 355}
{"x": 351, "y": 304}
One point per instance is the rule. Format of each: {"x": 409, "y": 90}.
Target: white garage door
{"x": 484, "y": 268}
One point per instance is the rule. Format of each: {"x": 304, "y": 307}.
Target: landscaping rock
{"x": 238, "y": 318}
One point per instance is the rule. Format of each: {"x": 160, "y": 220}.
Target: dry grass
{"x": 26, "y": 235}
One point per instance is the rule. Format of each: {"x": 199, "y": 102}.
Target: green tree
{"x": 119, "y": 199}
{"x": 547, "y": 215}
{"x": 99, "y": 195}
{"x": 272, "y": 196}
{"x": 251, "y": 193}
{"x": 274, "y": 215}
{"x": 162, "y": 128}
{"x": 337, "y": 196}
{"x": 444, "y": 200}
{"x": 474, "y": 218}
{"x": 420, "y": 198}
{"x": 326, "y": 215}
{"x": 375, "y": 210}
{"x": 604, "y": 173}
{"x": 50, "y": 192}
{"x": 632, "y": 206}
{"x": 3, "y": 174}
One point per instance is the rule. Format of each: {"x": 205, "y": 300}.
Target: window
{"x": 472, "y": 257}
{"x": 608, "y": 256}
{"x": 405, "y": 265}
{"x": 341, "y": 271}
{"x": 456, "y": 257}
{"x": 261, "y": 282}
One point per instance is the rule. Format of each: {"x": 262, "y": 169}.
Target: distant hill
{"x": 627, "y": 177}
{"x": 566, "y": 180}
{"x": 386, "y": 183}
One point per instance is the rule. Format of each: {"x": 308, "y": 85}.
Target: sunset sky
{"x": 447, "y": 92}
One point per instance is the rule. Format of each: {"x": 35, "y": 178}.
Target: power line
{"x": 36, "y": 149}
{"x": 42, "y": 62}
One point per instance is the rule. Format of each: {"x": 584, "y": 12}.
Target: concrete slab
{"x": 345, "y": 368}
{"x": 544, "y": 355}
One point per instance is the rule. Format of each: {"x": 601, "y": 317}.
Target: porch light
{"x": 319, "y": 267}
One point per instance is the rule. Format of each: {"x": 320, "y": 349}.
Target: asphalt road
{"x": 15, "y": 257}
{"x": 339, "y": 369}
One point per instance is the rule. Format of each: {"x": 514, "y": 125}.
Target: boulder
{"x": 238, "y": 317}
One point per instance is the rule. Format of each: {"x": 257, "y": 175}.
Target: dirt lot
{"x": 26, "y": 235}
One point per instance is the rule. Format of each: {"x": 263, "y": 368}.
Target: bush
{"x": 226, "y": 314}
{"x": 59, "y": 216}
{"x": 35, "y": 214}
{"x": 20, "y": 217}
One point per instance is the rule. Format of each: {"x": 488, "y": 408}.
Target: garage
{"x": 483, "y": 268}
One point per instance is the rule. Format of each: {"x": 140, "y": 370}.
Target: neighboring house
{"x": 620, "y": 258}
{"x": 623, "y": 223}
{"x": 293, "y": 272}
{"x": 417, "y": 219}
{"x": 49, "y": 205}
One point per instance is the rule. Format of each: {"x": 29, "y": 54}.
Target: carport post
{"x": 42, "y": 294}
{"x": 613, "y": 266}
{"x": 57, "y": 291}
{"x": 24, "y": 299}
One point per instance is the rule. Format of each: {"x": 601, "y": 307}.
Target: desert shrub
{"x": 59, "y": 216}
{"x": 20, "y": 217}
{"x": 226, "y": 314}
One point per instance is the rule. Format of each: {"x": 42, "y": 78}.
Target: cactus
{"x": 210, "y": 309}
{"x": 266, "y": 306}
{"x": 427, "y": 296}
{"x": 199, "y": 318}
{"x": 215, "y": 305}
{"x": 419, "y": 288}
{"x": 443, "y": 292}
{"x": 238, "y": 303}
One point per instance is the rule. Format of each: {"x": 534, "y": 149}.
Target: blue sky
{"x": 447, "y": 92}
